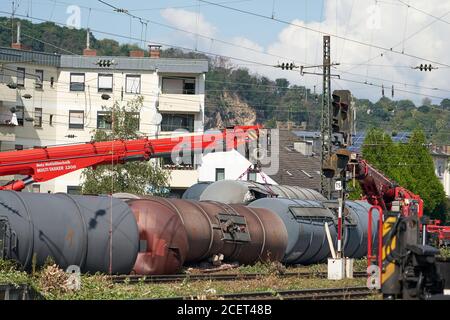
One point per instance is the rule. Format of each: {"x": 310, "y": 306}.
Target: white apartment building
{"x": 441, "y": 159}
{"x": 230, "y": 165}
{"x": 60, "y": 99}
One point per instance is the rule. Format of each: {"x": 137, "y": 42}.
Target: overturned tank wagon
{"x": 195, "y": 191}
{"x": 356, "y": 235}
{"x": 305, "y": 223}
{"x": 239, "y": 191}
{"x": 72, "y": 230}
{"x": 237, "y": 232}
{"x": 163, "y": 238}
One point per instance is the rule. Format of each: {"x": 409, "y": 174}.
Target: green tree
{"x": 410, "y": 165}
{"x": 445, "y": 104}
{"x": 405, "y": 105}
{"x": 424, "y": 182}
{"x": 133, "y": 177}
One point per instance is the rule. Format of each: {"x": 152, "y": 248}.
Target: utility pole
{"x": 325, "y": 129}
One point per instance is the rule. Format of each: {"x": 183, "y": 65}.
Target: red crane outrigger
{"x": 46, "y": 163}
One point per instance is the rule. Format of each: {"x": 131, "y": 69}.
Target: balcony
{"x": 180, "y": 102}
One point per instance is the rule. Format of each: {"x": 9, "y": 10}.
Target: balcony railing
{"x": 180, "y": 102}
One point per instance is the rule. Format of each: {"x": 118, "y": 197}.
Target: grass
{"x": 10, "y": 274}
{"x": 50, "y": 282}
{"x": 93, "y": 288}
{"x": 445, "y": 252}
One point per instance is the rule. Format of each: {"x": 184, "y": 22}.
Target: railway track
{"x": 306, "y": 294}
{"x": 132, "y": 279}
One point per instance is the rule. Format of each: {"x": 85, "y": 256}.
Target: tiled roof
{"x": 130, "y": 63}
{"x": 88, "y": 62}
{"x": 296, "y": 169}
{"x": 32, "y": 57}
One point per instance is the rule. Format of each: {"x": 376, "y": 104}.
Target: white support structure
{"x": 330, "y": 240}
{"x": 336, "y": 269}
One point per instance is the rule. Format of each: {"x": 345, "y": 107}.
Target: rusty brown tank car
{"x": 163, "y": 238}
{"x": 240, "y": 233}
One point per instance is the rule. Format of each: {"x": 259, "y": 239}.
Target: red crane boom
{"x": 46, "y": 163}
{"x": 381, "y": 191}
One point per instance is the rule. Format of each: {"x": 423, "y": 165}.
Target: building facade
{"x": 49, "y": 99}
{"x": 441, "y": 159}
{"x": 230, "y": 165}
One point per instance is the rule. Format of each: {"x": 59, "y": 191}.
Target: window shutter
{"x": 76, "y": 117}
{"x": 105, "y": 81}
{"x": 78, "y": 78}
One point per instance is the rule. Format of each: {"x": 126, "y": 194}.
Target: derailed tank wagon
{"x": 153, "y": 235}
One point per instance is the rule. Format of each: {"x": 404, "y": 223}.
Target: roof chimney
{"x": 88, "y": 51}
{"x": 17, "y": 44}
{"x": 154, "y": 51}
{"x": 137, "y": 53}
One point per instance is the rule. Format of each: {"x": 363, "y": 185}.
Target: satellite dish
{"x": 157, "y": 118}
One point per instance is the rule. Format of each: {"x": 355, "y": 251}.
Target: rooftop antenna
{"x": 18, "y": 32}
{"x": 87, "y": 39}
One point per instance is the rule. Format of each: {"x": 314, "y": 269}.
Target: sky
{"x": 362, "y": 35}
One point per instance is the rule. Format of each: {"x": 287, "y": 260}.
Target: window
{"x": 77, "y": 82}
{"x": 38, "y": 117}
{"x": 18, "y": 146}
{"x": 19, "y": 115}
{"x": 181, "y": 163}
{"x": 39, "y": 81}
{"x": 172, "y": 122}
{"x": 133, "y": 83}
{"x": 105, "y": 82}
{"x": 178, "y": 85}
{"x": 36, "y": 188}
{"x": 251, "y": 176}
{"x": 220, "y": 174}
{"x": 104, "y": 120}
{"x": 189, "y": 86}
{"x": 76, "y": 119}
{"x": 20, "y": 77}
{"x": 74, "y": 190}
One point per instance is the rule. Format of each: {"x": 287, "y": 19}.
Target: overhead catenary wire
{"x": 404, "y": 29}
{"x": 156, "y": 42}
{"x": 156, "y": 94}
{"x": 408, "y": 5}
{"x": 197, "y": 34}
{"x": 359, "y": 42}
{"x": 399, "y": 43}
{"x": 189, "y": 49}
{"x": 98, "y": 9}
{"x": 220, "y": 55}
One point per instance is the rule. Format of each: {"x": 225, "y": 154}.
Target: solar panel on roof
{"x": 359, "y": 137}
